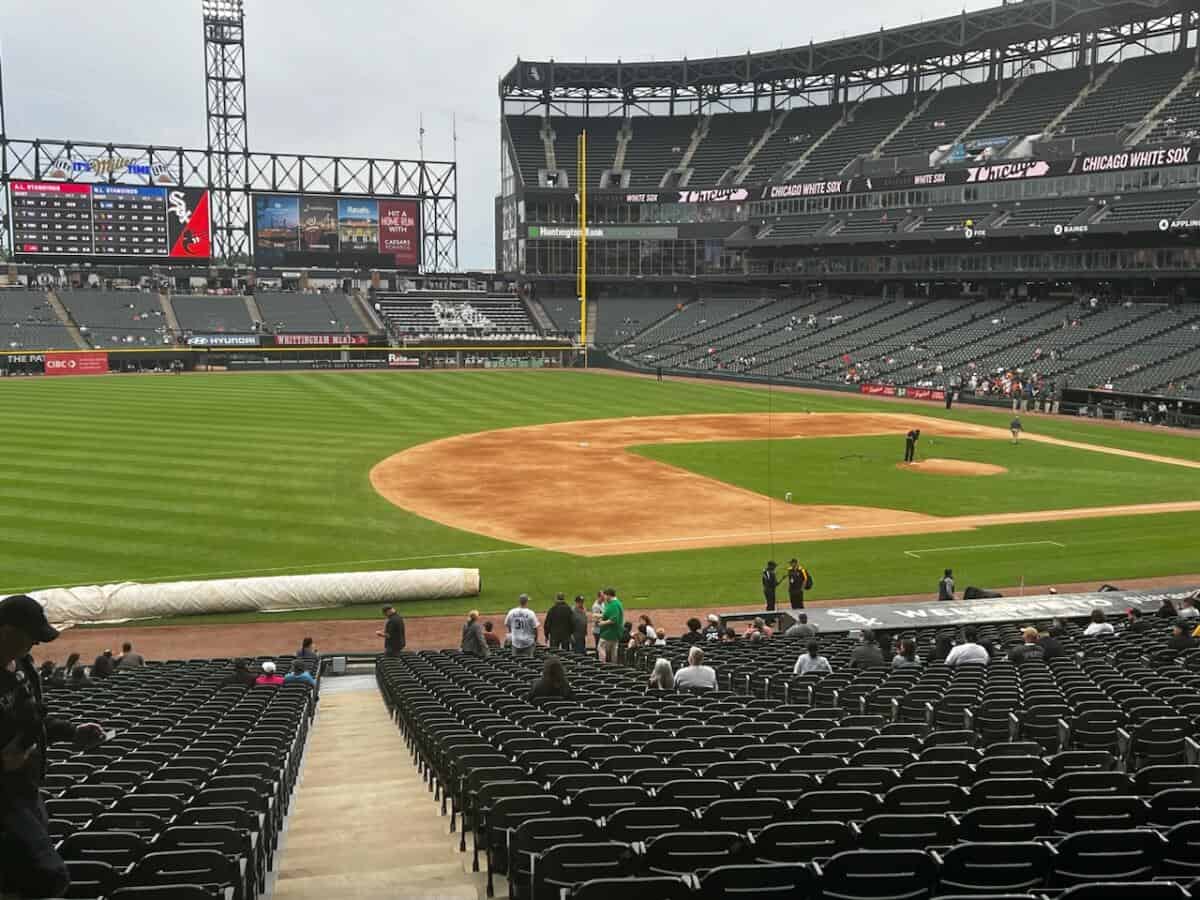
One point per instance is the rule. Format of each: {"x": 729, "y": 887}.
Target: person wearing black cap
{"x": 393, "y": 632}
{"x": 770, "y": 581}
{"x": 29, "y": 864}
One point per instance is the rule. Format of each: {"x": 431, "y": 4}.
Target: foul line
{"x": 916, "y": 554}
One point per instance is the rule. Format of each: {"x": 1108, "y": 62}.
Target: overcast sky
{"x": 353, "y": 77}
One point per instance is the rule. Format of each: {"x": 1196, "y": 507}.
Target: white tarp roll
{"x": 120, "y": 602}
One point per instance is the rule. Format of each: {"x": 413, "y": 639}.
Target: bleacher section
{"x": 872, "y": 121}
{"x": 657, "y": 146}
{"x": 190, "y": 795}
{"x": 602, "y": 146}
{"x": 309, "y": 313}
{"x": 1127, "y": 95}
{"x": 800, "y": 129}
{"x": 117, "y": 318}
{"x": 27, "y": 322}
{"x": 730, "y": 137}
{"x": 462, "y": 315}
{"x": 1019, "y": 777}
{"x": 951, "y": 111}
{"x": 671, "y": 335}
{"x": 209, "y": 314}
{"x": 526, "y": 134}
{"x": 1032, "y": 106}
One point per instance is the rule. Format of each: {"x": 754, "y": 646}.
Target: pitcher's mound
{"x": 953, "y": 467}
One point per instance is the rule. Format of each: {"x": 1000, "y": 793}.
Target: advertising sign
{"x": 223, "y": 340}
{"x": 399, "y": 232}
{"x": 303, "y": 230}
{"x": 321, "y": 340}
{"x": 400, "y": 361}
{"x": 76, "y": 363}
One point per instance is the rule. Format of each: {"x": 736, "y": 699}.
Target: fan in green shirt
{"x": 614, "y": 616}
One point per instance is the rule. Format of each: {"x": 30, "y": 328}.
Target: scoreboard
{"x": 102, "y": 222}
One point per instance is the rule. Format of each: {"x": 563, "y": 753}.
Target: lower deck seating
{"x": 188, "y": 798}
{"x": 1021, "y": 777}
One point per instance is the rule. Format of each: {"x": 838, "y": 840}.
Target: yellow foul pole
{"x": 582, "y": 262}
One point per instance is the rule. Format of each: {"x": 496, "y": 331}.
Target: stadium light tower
{"x": 225, "y": 93}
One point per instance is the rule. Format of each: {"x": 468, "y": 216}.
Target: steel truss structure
{"x": 1002, "y": 40}
{"x": 230, "y": 170}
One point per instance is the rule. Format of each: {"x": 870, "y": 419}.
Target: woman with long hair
{"x": 662, "y": 678}
{"x": 812, "y": 661}
{"x": 553, "y": 682}
{"x": 906, "y": 655}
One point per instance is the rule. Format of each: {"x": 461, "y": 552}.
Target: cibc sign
{"x": 76, "y": 364}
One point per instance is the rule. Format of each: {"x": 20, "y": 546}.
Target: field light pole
{"x": 581, "y": 255}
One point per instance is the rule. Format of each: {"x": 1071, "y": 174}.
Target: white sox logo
{"x": 178, "y": 204}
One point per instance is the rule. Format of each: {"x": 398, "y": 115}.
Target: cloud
{"x": 355, "y": 78}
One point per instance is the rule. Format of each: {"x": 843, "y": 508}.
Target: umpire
{"x": 29, "y": 864}
{"x": 770, "y": 581}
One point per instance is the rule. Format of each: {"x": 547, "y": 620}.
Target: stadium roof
{"x": 996, "y": 27}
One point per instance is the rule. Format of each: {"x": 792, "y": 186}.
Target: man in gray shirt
{"x": 696, "y": 675}
{"x": 128, "y": 659}
{"x": 801, "y": 629}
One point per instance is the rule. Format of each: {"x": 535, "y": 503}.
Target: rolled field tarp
{"x": 280, "y": 593}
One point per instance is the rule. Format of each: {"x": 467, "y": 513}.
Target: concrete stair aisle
{"x": 169, "y": 313}
{"x": 363, "y": 823}
{"x": 68, "y": 322}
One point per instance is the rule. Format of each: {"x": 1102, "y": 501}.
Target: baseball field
{"x": 675, "y": 492}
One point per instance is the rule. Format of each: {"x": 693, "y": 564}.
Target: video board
{"x": 330, "y": 230}
{"x": 99, "y": 222}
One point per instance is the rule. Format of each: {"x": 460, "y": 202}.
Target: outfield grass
{"x": 862, "y": 471}
{"x": 158, "y": 478}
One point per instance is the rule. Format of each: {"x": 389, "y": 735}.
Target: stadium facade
{"x": 1008, "y": 149}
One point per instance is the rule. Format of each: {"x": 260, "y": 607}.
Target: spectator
{"x": 1051, "y": 641}
{"x": 693, "y": 635}
{"x": 489, "y": 635}
{"x": 560, "y": 624}
{"x": 1030, "y": 648}
{"x": 299, "y": 674}
{"x": 269, "y": 676}
{"x": 969, "y": 652}
{"x": 728, "y": 636}
{"x": 612, "y": 625}
{"x": 1134, "y": 621}
{"x": 1180, "y": 639}
{"x": 867, "y": 654}
{"x": 713, "y": 630}
{"x": 942, "y": 647}
{"x": 79, "y": 678}
{"x": 695, "y": 675}
{"x": 646, "y": 627}
{"x": 128, "y": 659}
{"x": 597, "y": 614}
{"x": 1187, "y": 608}
{"x": 1167, "y": 610}
{"x": 1098, "y": 625}
{"x": 579, "y": 625}
{"x": 64, "y": 673}
{"x": 946, "y": 585}
{"x": 46, "y": 672}
{"x": 306, "y": 649}
{"x": 104, "y": 665}
{"x": 473, "y": 640}
{"x": 241, "y": 674}
{"x": 906, "y": 656}
{"x": 393, "y": 632}
{"x": 662, "y": 678}
{"x": 553, "y": 682}
{"x": 812, "y": 661}
{"x": 801, "y": 629}
{"x": 522, "y": 625}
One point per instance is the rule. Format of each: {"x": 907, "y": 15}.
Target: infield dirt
{"x": 573, "y": 487}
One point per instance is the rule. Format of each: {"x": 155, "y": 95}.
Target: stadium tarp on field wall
{"x": 122, "y": 602}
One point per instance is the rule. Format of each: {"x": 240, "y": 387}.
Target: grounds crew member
{"x": 393, "y": 632}
{"x": 1015, "y": 427}
{"x": 946, "y": 586}
{"x": 799, "y": 581}
{"x": 29, "y": 864}
{"x": 770, "y": 581}
{"x": 910, "y": 444}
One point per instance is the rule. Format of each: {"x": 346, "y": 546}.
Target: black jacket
{"x": 541, "y": 690}
{"x": 770, "y": 581}
{"x": 23, "y": 718}
{"x": 393, "y": 634}
{"x": 560, "y": 623}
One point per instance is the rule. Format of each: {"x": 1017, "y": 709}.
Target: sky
{"x": 355, "y": 77}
